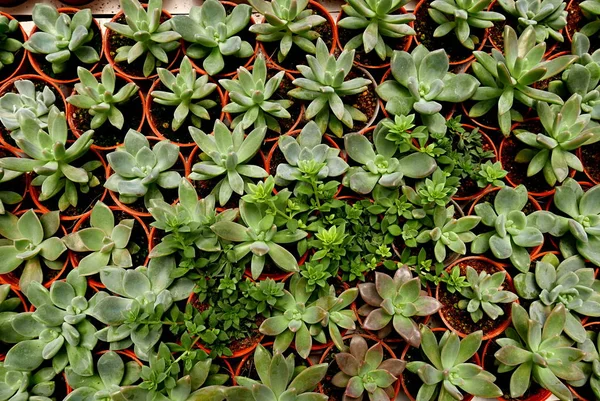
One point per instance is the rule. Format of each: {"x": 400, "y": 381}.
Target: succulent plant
{"x": 250, "y": 94}
{"x": 449, "y": 232}
{"x": 229, "y": 154}
{"x": 380, "y": 25}
{"x": 589, "y": 364}
{"x": 483, "y": 293}
{"x": 29, "y": 241}
{"x": 100, "y": 99}
{"x": 566, "y": 130}
{"x": 420, "y": 82}
{"x": 324, "y": 84}
{"x": 491, "y": 174}
{"x": 461, "y": 16}
{"x": 186, "y": 93}
{"x": 8, "y": 197}
{"x": 447, "y": 370}
{"x": 511, "y": 232}
{"x": 108, "y": 243}
{"x": 279, "y": 380}
{"x": 536, "y": 349}
{"x": 60, "y": 35}
{"x": 213, "y": 33}
{"x": 26, "y": 97}
{"x": 8, "y": 46}
{"x": 338, "y": 314}
{"x": 141, "y": 171}
{"x": 364, "y": 372}
{"x": 17, "y": 385}
{"x": 547, "y": 17}
{"x": 509, "y": 76}
{"x": 393, "y": 302}
{"x": 288, "y": 22}
{"x": 590, "y": 9}
{"x": 569, "y": 283}
{"x": 59, "y": 329}
{"x": 153, "y": 38}
{"x": 8, "y": 310}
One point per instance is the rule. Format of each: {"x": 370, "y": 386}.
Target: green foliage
{"x": 17, "y": 385}
{"x": 491, "y": 174}
{"x": 9, "y": 46}
{"x": 25, "y": 97}
{"x": 547, "y": 17}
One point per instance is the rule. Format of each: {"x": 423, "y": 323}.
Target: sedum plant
{"x": 141, "y": 172}
{"x": 100, "y": 98}
{"x": 17, "y": 385}
{"x": 279, "y": 380}
{"x": 153, "y": 39}
{"x": 288, "y": 22}
{"x": 511, "y": 233}
{"x": 8, "y": 46}
{"x": 213, "y": 33}
{"x": 380, "y": 23}
{"x": 566, "y": 130}
{"x": 61, "y": 37}
{"x": 394, "y": 302}
{"x": 447, "y": 370}
{"x": 420, "y": 82}
{"x": 547, "y": 17}
{"x": 460, "y": 16}
{"x": 536, "y": 349}
{"x": 250, "y": 97}
{"x": 324, "y": 84}
{"x": 510, "y": 76}
{"x": 569, "y": 283}
{"x": 29, "y": 242}
{"x": 108, "y": 243}
{"x": 364, "y": 372}
{"x": 483, "y": 294}
{"x": 229, "y": 154}
{"x": 186, "y": 93}
{"x": 491, "y": 174}
{"x": 25, "y": 97}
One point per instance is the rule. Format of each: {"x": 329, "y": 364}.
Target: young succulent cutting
{"x": 289, "y": 22}
{"x": 381, "y": 24}
{"x": 213, "y": 33}
{"x": 460, "y": 16}
{"x": 447, "y": 370}
{"x": 565, "y": 131}
{"x": 420, "y": 82}
{"x": 394, "y": 302}
{"x": 250, "y": 97}
{"x": 141, "y": 171}
{"x": 229, "y": 154}
{"x": 511, "y": 231}
{"x": 186, "y": 93}
{"x": 25, "y": 97}
{"x": 61, "y": 37}
{"x": 366, "y": 373}
{"x": 483, "y": 293}
{"x": 324, "y": 84}
{"x": 536, "y": 350}
{"x": 153, "y": 39}
{"x": 547, "y": 17}
{"x": 100, "y": 98}
{"x": 8, "y": 46}
{"x": 511, "y": 76}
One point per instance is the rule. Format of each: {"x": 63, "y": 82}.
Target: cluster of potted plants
{"x": 288, "y": 206}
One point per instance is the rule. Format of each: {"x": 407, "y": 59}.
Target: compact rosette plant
{"x": 547, "y": 17}
{"x": 25, "y": 97}
{"x": 8, "y": 46}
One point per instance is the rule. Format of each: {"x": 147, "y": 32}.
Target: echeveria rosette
{"x": 421, "y": 81}
{"x": 447, "y": 369}
{"x": 394, "y": 302}
{"x": 536, "y": 349}
{"x": 568, "y": 282}
{"x": 8, "y": 46}
{"x": 511, "y": 231}
{"x": 365, "y": 373}
{"x": 547, "y": 17}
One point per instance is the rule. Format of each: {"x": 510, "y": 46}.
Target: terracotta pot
{"x": 34, "y": 192}
{"x": 196, "y": 63}
{"x": 24, "y": 178}
{"x": 383, "y": 64}
{"x": 158, "y": 133}
{"x": 78, "y": 132}
{"x": 8, "y": 85}
{"x": 13, "y": 69}
{"x": 508, "y": 285}
{"x": 35, "y": 63}
{"x": 110, "y": 58}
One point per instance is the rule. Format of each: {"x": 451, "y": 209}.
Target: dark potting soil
{"x": 296, "y": 55}
{"x": 590, "y": 157}
{"x": 334, "y": 393}
{"x": 7, "y": 70}
{"x": 162, "y": 116}
{"x": 282, "y": 94}
{"x": 460, "y": 319}
{"x": 277, "y": 158}
{"x": 425, "y": 26}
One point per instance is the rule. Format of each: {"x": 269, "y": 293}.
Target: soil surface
{"x": 590, "y": 157}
